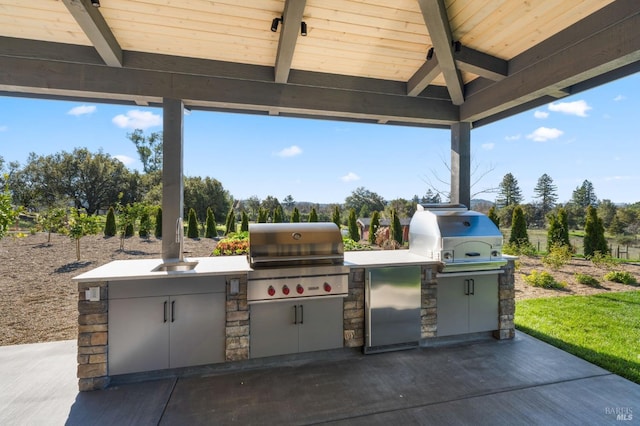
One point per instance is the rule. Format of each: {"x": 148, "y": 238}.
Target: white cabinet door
{"x": 197, "y": 331}
{"x": 138, "y": 334}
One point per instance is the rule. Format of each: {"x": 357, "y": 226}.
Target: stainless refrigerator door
{"x": 393, "y": 306}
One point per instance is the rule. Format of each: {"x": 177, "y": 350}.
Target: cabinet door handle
{"x": 466, "y": 287}
{"x": 295, "y": 314}
{"x": 173, "y": 310}
{"x": 165, "y": 311}
{"x": 301, "y": 314}
{"x": 473, "y": 287}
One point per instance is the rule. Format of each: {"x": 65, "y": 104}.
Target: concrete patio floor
{"x": 523, "y": 381}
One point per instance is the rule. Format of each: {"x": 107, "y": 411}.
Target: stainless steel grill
{"x": 463, "y": 240}
{"x": 296, "y": 260}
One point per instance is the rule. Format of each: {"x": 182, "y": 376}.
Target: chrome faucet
{"x": 180, "y": 239}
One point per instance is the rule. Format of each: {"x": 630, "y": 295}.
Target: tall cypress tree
{"x": 244, "y": 225}
{"x": 210, "y": 230}
{"x": 493, "y": 215}
{"x": 396, "y": 228}
{"x": 278, "y": 215}
{"x": 231, "y": 223}
{"x": 158, "y": 230}
{"x": 335, "y": 218}
{"x": 354, "y": 233}
{"x": 110, "y": 225}
{"x": 295, "y": 216}
{"x": 519, "y": 236}
{"x": 594, "y": 240}
{"x": 313, "y": 215}
{"x": 373, "y": 227}
{"x": 192, "y": 228}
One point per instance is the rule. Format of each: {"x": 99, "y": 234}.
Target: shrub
{"x": 493, "y": 216}
{"x": 110, "y": 229}
{"x": 145, "y": 225}
{"x": 603, "y": 261}
{"x": 128, "y": 230}
{"x": 234, "y": 244}
{"x": 543, "y": 279}
{"x": 351, "y": 245}
{"x": 263, "y": 215}
{"x": 524, "y": 249}
{"x": 622, "y": 277}
{"x": 587, "y": 280}
{"x": 192, "y": 227}
{"x": 158, "y": 230}
{"x": 558, "y": 256}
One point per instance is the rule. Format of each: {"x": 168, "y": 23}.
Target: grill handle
{"x": 472, "y": 254}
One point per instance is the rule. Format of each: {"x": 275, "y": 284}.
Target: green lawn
{"x": 603, "y": 329}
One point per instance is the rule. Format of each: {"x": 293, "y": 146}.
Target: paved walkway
{"x": 523, "y": 381}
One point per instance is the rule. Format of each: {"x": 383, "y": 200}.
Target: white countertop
{"x": 143, "y": 269}
{"x": 228, "y": 265}
{"x": 382, "y": 258}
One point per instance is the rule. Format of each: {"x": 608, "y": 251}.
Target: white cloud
{"x": 512, "y": 138}
{"x": 543, "y": 134}
{"x": 350, "y": 177}
{"x": 136, "y": 119}
{"x": 292, "y": 151}
{"x": 578, "y": 108}
{"x": 488, "y": 146}
{"x": 620, "y": 98}
{"x": 82, "y": 110}
{"x": 541, "y": 114}
{"x": 125, "y": 159}
{"x": 4, "y": 128}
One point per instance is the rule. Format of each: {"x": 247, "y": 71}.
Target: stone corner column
{"x": 93, "y": 324}
{"x": 507, "y": 302}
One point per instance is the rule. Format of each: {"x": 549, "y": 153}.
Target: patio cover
{"x": 454, "y": 64}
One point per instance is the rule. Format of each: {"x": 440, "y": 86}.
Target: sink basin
{"x": 176, "y": 267}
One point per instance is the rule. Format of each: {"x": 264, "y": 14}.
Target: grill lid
{"x": 295, "y": 244}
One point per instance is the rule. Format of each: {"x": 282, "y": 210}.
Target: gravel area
{"x": 38, "y": 300}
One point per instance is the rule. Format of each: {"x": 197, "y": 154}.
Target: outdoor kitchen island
{"x": 222, "y": 282}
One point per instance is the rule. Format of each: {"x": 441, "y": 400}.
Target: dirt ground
{"x": 38, "y": 300}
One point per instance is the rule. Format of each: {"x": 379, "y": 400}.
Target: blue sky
{"x": 592, "y": 135}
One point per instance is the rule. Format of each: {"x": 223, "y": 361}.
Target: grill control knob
{"x": 495, "y": 253}
{"x": 271, "y": 290}
{"x": 299, "y": 289}
{"x": 285, "y": 290}
{"x": 327, "y": 287}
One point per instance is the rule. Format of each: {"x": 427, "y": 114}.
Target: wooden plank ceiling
{"x": 413, "y": 62}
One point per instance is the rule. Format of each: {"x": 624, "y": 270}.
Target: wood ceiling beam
{"x": 95, "y": 27}
{"x": 481, "y": 64}
{"x": 423, "y": 77}
{"x": 616, "y": 45}
{"x": 198, "y": 91}
{"x": 291, "y": 19}
{"x": 435, "y": 17}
